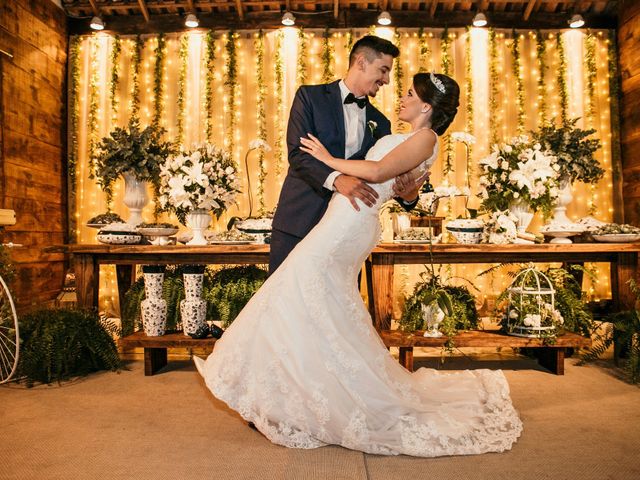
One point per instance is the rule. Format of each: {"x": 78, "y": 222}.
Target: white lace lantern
{"x": 531, "y": 310}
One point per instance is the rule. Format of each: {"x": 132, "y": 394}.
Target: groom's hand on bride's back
{"x": 354, "y": 188}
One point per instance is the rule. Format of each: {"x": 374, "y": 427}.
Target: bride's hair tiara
{"x": 437, "y": 82}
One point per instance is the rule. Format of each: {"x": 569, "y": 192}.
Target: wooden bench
{"x": 549, "y": 356}
{"x": 155, "y": 348}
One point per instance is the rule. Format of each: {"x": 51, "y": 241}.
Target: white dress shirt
{"x": 354, "y": 120}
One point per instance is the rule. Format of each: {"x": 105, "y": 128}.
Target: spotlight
{"x": 288, "y": 19}
{"x": 191, "y": 21}
{"x": 576, "y": 21}
{"x": 480, "y": 20}
{"x": 384, "y": 18}
{"x": 97, "y": 23}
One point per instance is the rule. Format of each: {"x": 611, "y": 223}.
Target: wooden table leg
{"x": 87, "y": 273}
{"x": 625, "y": 269}
{"x": 382, "y": 290}
{"x": 406, "y": 357}
{"x": 552, "y": 359}
{"x": 154, "y": 360}
{"x": 126, "y": 275}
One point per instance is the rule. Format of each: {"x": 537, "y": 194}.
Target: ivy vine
{"x": 115, "y": 72}
{"x": 562, "y": 81}
{"x": 74, "y": 108}
{"x": 424, "y": 52}
{"x": 209, "y": 59}
{"x": 517, "y": 75}
{"x": 541, "y": 51}
{"x": 327, "y": 56}
{"x": 301, "y": 69}
{"x": 493, "y": 79}
{"x": 183, "y": 56}
{"x": 136, "y": 61}
{"x": 261, "y": 118}
{"x": 279, "y": 80}
{"x": 158, "y": 85}
{"x": 232, "y": 84}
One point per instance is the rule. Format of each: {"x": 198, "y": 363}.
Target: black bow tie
{"x": 361, "y": 102}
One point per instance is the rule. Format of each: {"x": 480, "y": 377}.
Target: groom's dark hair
{"x": 373, "y": 47}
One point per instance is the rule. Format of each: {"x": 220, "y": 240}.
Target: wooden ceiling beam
{"x": 484, "y": 5}
{"x": 94, "y": 7}
{"x": 528, "y": 9}
{"x": 145, "y": 12}
{"x": 336, "y": 8}
{"x": 432, "y": 8}
{"x": 240, "y": 9}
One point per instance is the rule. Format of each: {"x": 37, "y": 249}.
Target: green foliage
{"x": 574, "y": 151}
{"x": 58, "y": 344}
{"x": 226, "y": 291}
{"x": 135, "y": 151}
{"x": 456, "y": 301}
{"x": 624, "y": 332}
{"x": 7, "y": 270}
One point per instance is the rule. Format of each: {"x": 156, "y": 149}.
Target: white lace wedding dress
{"x": 303, "y": 362}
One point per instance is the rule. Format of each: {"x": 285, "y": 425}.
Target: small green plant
{"x": 623, "y": 330}
{"x": 58, "y": 344}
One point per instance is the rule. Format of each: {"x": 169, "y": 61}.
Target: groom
{"x": 340, "y": 116}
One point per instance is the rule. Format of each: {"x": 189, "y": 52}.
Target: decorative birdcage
{"x": 531, "y": 309}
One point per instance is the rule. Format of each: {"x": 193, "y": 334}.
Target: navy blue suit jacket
{"x": 317, "y": 109}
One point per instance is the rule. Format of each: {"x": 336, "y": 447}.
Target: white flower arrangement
{"x": 500, "y": 228}
{"x": 258, "y": 144}
{"x": 519, "y": 170}
{"x": 429, "y": 201}
{"x": 463, "y": 137}
{"x": 203, "y": 178}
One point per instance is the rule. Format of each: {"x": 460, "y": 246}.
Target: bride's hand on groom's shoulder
{"x": 313, "y": 146}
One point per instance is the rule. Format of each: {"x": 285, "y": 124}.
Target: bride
{"x": 303, "y": 362}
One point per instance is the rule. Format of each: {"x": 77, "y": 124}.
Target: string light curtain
{"x": 201, "y": 85}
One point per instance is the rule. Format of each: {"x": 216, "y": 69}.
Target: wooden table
{"x": 623, "y": 258}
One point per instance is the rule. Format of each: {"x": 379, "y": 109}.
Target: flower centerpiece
{"x": 519, "y": 173}
{"x": 194, "y": 183}
{"x": 136, "y": 154}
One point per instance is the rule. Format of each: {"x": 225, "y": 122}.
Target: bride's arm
{"x": 403, "y": 158}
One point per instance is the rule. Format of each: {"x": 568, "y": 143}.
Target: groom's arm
{"x": 311, "y": 170}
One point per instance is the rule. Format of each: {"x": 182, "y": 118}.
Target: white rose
{"x": 508, "y": 148}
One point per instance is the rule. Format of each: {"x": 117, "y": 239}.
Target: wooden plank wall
{"x": 629, "y": 57}
{"x": 33, "y": 143}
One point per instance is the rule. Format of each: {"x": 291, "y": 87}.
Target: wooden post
{"x": 87, "y": 273}
{"x": 551, "y": 358}
{"x": 406, "y": 357}
{"x": 126, "y": 275}
{"x": 382, "y": 291}
{"x": 154, "y": 360}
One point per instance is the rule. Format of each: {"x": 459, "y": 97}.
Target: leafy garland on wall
{"x": 327, "y": 56}
{"x": 115, "y": 73}
{"x": 614, "y": 95}
{"x": 158, "y": 86}
{"x": 135, "y": 69}
{"x": 232, "y": 84}
{"x": 493, "y": 79}
{"x": 424, "y": 52}
{"x": 183, "y": 56}
{"x": 591, "y": 71}
{"x": 261, "y": 118}
{"x": 447, "y": 68}
{"x": 301, "y": 69}
{"x": 562, "y": 81}
{"x": 348, "y": 43}
{"x": 209, "y": 59}
{"x": 93, "y": 107}
{"x": 541, "y": 51}
{"x": 279, "y": 119}
{"x": 74, "y": 108}
{"x": 468, "y": 95}
{"x": 517, "y": 74}
{"x": 398, "y": 80}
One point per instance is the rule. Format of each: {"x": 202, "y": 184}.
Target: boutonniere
{"x": 372, "y": 127}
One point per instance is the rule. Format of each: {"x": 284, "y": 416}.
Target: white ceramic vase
{"x": 198, "y": 221}
{"x": 564, "y": 199}
{"x": 193, "y": 309}
{"x": 154, "y": 307}
{"x": 135, "y": 197}
{"x": 522, "y": 212}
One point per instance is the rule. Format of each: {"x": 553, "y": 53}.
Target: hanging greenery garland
{"x": 183, "y": 56}
{"x": 232, "y": 84}
{"x": 115, "y": 71}
{"x": 397, "y": 79}
{"x": 209, "y": 59}
{"x": 562, "y": 81}
{"x": 493, "y": 79}
{"x": 424, "y": 52}
{"x": 279, "y": 123}
{"x": 301, "y": 71}
{"x": 447, "y": 68}
{"x": 158, "y": 84}
{"x": 517, "y": 75}
{"x": 348, "y": 44}
{"x": 72, "y": 157}
{"x": 590, "y": 63}
{"x": 614, "y": 96}
{"x": 468, "y": 88}
{"x": 93, "y": 106}
{"x": 541, "y": 51}
{"x": 327, "y": 57}
{"x": 261, "y": 117}
{"x": 135, "y": 69}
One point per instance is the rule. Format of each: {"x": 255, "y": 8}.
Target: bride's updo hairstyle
{"x": 442, "y": 93}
